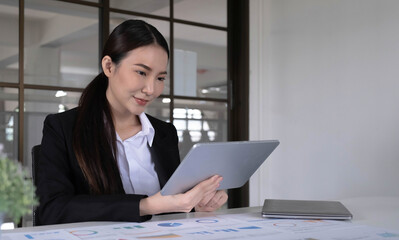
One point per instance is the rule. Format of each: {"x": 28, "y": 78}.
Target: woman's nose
{"x": 148, "y": 88}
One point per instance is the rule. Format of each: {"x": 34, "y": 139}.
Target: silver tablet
{"x": 234, "y": 161}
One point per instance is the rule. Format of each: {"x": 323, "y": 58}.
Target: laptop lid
{"x": 305, "y": 209}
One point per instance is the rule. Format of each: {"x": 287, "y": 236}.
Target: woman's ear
{"x": 107, "y": 65}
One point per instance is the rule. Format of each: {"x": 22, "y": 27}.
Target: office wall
{"x": 325, "y": 82}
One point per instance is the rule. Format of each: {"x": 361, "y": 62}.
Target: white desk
{"x": 376, "y": 212}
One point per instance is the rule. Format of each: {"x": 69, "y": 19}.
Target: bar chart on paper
{"x": 232, "y": 226}
{"x": 169, "y": 224}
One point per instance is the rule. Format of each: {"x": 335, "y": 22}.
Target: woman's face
{"x": 137, "y": 80}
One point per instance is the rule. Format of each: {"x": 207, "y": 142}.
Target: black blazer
{"x": 64, "y": 192}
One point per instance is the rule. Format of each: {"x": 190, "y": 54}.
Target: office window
{"x": 200, "y": 62}
{"x": 38, "y": 104}
{"x": 61, "y": 43}
{"x": 9, "y": 109}
{"x": 213, "y": 12}
{"x": 199, "y": 121}
{"x": 153, "y": 7}
{"x": 160, "y": 108}
{"x": 9, "y": 41}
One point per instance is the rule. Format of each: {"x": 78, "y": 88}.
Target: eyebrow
{"x": 148, "y": 68}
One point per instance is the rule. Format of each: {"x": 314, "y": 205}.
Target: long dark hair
{"x": 94, "y": 138}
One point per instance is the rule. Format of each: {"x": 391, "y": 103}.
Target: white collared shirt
{"x": 135, "y": 164}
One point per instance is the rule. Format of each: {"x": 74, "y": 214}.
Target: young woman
{"x": 107, "y": 160}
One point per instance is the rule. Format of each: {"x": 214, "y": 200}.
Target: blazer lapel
{"x": 159, "y": 168}
{"x": 164, "y": 152}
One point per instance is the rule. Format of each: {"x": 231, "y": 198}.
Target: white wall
{"x": 325, "y": 82}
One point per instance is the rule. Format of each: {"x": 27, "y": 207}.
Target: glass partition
{"x": 199, "y": 121}
{"x": 160, "y": 109}
{"x": 9, "y": 118}
{"x": 154, "y": 7}
{"x": 200, "y": 62}
{"x": 213, "y": 12}
{"x": 61, "y": 43}
{"x": 9, "y": 53}
{"x": 38, "y": 104}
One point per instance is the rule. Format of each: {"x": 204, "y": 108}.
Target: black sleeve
{"x": 62, "y": 190}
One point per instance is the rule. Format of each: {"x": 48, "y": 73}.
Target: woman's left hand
{"x": 212, "y": 201}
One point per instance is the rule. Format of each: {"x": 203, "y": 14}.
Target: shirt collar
{"x": 146, "y": 128}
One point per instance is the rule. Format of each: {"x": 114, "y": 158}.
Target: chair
{"x": 35, "y": 160}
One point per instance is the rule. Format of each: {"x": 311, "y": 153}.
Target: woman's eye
{"x": 141, "y": 73}
{"x": 161, "y": 78}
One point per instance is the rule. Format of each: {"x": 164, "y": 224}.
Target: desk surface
{"x": 380, "y": 212}
{"x": 374, "y": 211}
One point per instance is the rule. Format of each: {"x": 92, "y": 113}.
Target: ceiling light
{"x": 60, "y": 94}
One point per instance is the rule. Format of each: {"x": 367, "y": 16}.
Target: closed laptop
{"x": 305, "y": 209}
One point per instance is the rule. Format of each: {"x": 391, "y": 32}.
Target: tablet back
{"x": 234, "y": 161}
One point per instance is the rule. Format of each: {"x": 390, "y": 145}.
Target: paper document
{"x": 231, "y": 226}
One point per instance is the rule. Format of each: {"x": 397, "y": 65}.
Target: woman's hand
{"x": 212, "y": 201}
{"x": 204, "y": 194}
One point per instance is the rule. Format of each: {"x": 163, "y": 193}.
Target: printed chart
{"x": 167, "y": 224}
{"x": 233, "y": 226}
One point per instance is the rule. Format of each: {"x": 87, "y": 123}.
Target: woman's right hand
{"x": 184, "y": 202}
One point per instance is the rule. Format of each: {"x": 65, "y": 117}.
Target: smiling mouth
{"x": 141, "y": 101}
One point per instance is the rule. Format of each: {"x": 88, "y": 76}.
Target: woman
{"x": 106, "y": 160}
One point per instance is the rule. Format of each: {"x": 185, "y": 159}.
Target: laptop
{"x": 305, "y": 209}
{"x": 234, "y": 161}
